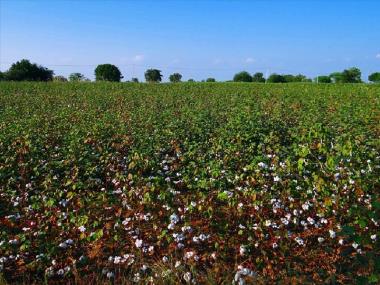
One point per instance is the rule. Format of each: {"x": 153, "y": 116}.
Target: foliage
{"x": 166, "y": 183}
{"x": 107, "y": 72}
{"x": 352, "y": 75}
{"x": 191, "y": 80}
{"x": 76, "y": 76}
{"x": 242, "y": 76}
{"x": 323, "y": 79}
{"x": 23, "y": 70}
{"x": 60, "y": 78}
{"x": 175, "y": 77}
{"x": 276, "y": 78}
{"x": 374, "y": 77}
{"x": 135, "y": 80}
{"x": 258, "y": 77}
{"x": 153, "y": 75}
{"x": 210, "y": 79}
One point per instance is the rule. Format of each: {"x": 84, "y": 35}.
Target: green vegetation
{"x": 153, "y": 75}
{"x": 23, "y": 70}
{"x": 107, "y": 72}
{"x": 175, "y": 77}
{"x": 174, "y": 182}
{"x": 374, "y": 77}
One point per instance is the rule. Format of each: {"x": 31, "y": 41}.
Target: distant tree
{"x": 153, "y": 75}
{"x": 107, "y": 72}
{"x": 191, "y": 80}
{"x": 135, "y": 79}
{"x": 276, "y": 78}
{"x": 60, "y": 78}
{"x": 76, "y": 77}
{"x": 336, "y": 77}
{"x": 323, "y": 79}
{"x": 258, "y": 77}
{"x": 243, "y": 76}
{"x": 352, "y": 75}
{"x": 175, "y": 77}
{"x": 25, "y": 71}
{"x": 300, "y": 78}
{"x": 2, "y": 76}
{"x": 210, "y": 79}
{"x": 374, "y": 77}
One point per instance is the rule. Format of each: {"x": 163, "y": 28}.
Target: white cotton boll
{"x": 321, "y": 239}
{"x": 187, "y": 276}
{"x": 332, "y": 234}
{"x": 110, "y": 275}
{"x": 138, "y": 243}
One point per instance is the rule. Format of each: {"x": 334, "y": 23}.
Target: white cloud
{"x": 249, "y": 60}
{"x": 378, "y": 56}
{"x": 138, "y": 58}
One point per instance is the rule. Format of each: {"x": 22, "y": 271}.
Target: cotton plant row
{"x": 212, "y": 188}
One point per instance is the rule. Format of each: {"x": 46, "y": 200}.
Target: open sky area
{"x": 198, "y": 39}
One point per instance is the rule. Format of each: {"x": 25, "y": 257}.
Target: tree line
{"x": 24, "y": 70}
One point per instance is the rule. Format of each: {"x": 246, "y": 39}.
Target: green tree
{"x": 76, "y": 77}
{"x": 191, "y": 80}
{"x": 258, "y": 77}
{"x": 210, "y": 79}
{"x": 153, "y": 75}
{"x": 336, "y": 77}
{"x": 175, "y": 77}
{"x": 108, "y": 72}
{"x": 242, "y": 76}
{"x": 2, "y": 76}
{"x": 323, "y": 79}
{"x": 60, "y": 78}
{"x": 135, "y": 80}
{"x": 374, "y": 77}
{"x": 352, "y": 75}
{"x": 276, "y": 78}
{"x": 23, "y": 70}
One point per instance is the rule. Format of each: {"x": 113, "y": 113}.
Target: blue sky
{"x": 199, "y": 39}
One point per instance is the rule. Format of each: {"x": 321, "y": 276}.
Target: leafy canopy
{"x": 243, "y": 76}
{"x": 374, "y": 77}
{"x": 175, "y": 77}
{"x": 23, "y": 70}
{"x": 153, "y": 75}
{"x": 107, "y": 72}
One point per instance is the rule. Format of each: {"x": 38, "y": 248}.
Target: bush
{"x": 25, "y": 71}
{"x": 210, "y": 79}
{"x": 243, "y": 76}
{"x": 135, "y": 80}
{"x": 107, "y": 72}
{"x": 175, "y": 77}
{"x": 153, "y": 75}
